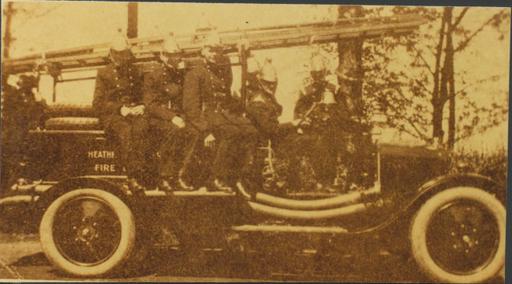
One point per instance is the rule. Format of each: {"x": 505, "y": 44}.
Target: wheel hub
{"x": 87, "y": 231}
{"x": 462, "y": 237}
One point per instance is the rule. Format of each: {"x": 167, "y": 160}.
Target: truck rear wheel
{"x": 88, "y": 233}
{"x": 458, "y": 236}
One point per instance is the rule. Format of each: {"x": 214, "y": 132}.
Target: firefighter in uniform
{"x": 206, "y": 91}
{"x": 262, "y": 107}
{"x": 163, "y": 100}
{"x": 118, "y": 102}
{"x": 23, "y": 109}
{"x": 263, "y": 111}
{"x": 321, "y": 138}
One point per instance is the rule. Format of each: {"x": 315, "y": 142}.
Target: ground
{"x": 21, "y": 258}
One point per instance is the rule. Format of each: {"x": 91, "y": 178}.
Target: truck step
{"x": 157, "y": 193}
{"x": 289, "y": 229}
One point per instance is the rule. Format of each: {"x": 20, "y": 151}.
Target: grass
{"x": 491, "y": 164}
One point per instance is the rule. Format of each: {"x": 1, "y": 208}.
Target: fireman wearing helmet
{"x": 314, "y": 91}
{"x": 162, "y": 96}
{"x": 118, "y": 102}
{"x": 263, "y": 111}
{"x": 262, "y": 106}
{"x": 206, "y": 95}
{"x": 320, "y": 138}
{"x": 23, "y": 109}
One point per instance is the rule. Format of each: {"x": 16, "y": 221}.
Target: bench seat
{"x": 73, "y": 123}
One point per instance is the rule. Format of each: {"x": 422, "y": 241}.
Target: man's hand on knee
{"x": 209, "y": 141}
{"x": 138, "y": 110}
{"x": 178, "y": 121}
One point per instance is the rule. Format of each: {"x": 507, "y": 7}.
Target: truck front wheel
{"x": 458, "y": 235}
{"x": 88, "y": 233}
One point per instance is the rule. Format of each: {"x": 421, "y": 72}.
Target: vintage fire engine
{"x": 90, "y": 226}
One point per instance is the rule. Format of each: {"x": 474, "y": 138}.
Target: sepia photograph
{"x": 251, "y": 142}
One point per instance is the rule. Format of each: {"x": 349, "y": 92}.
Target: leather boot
{"x": 135, "y": 187}
{"x": 221, "y": 186}
{"x": 166, "y": 185}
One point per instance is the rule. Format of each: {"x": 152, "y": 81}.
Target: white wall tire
{"x": 457, "y": 204}
{"x": 99, "y": 243}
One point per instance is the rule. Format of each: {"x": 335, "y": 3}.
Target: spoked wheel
{"x": 88, "y": 232}
{"x": 458, "y": 235}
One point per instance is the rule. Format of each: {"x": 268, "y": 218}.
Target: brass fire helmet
{"x": 120, "y": 51}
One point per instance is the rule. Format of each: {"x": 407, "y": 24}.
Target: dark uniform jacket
{"x": 162, "y": 92}
{"x": 204, "y": 92}
{"x": 310, "y": 95}
{"x": 116, "y": 86}
{"x": 263, "y": 110}
{"x": 21, "y": 110}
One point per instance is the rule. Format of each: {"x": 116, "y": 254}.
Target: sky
{"x": 44, "y": 25}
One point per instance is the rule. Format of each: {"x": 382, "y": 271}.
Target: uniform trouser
{"x": 131, "y": 135}
{"x": 361, "y": 168}
{"x": 326, "y": 149}
{"x": 229, "y": 133}
{"x": 264, "y": 118}
{"x": 13, "y": 147}
{"x": 321, "y": 149}
{"x": 13, "y": 143}
{"x": 266, "y": 126}
{"x": 218, "y": 160}
{"x": 233, "y": 136}
{"x": 171, "y": 144}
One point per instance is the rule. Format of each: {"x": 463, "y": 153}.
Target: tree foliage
{"x": 411, "y": 79}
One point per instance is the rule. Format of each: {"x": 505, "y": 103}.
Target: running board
{"x": 289, "y": 229}
{"x": 158, "y": 193}
{"x": 18, "y": 199}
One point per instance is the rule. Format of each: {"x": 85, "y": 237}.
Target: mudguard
{"x": 82, "y": 182}
{"x": 433, "y": 186}
{"x": 33, "y": 203}
{"x": 468, "y": 179}
{"x": 440, "y": 183}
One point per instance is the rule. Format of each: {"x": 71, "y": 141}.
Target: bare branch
{"x": 459, "y": 18}
{"x": 465, "y": 42}
{"x": 473, "y": 84}
{"x": 419, "y": 133}
{"x": 423, "y": 86}
{"x": 405, "y": 130}
{"x": 418, "y": 52}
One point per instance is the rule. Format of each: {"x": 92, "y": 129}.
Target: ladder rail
{"x": 282, "y": 36}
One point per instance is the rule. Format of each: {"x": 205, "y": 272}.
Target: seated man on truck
{"x": 263, "y": 111}
{"x": 163, "y": 99}
{"x": 206, "y": 99}
{"x": 321, "y": 141}
{"x": 23, "y": 109}
{"x": 118, "y": 102}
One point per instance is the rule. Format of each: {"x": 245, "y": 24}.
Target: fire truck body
{"x": 91, "y": 225}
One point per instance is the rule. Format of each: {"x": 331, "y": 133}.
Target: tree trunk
{"x": 350, "y": 60}
{"x": 133, "y": 12}
{"x": 437, "y": 105}
{"x": 451, "y": 82}
{"x": 445, "y": 71}
{"x": 8, "y": 12}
